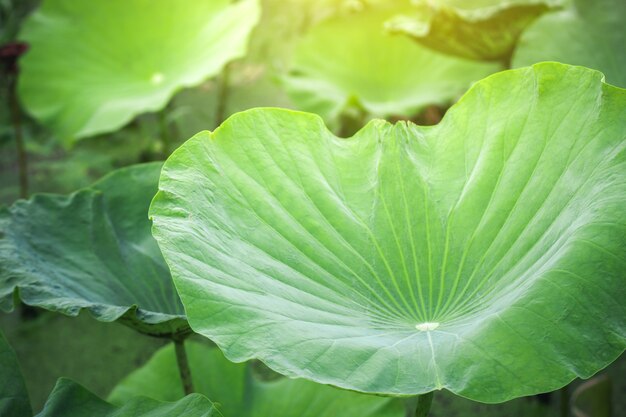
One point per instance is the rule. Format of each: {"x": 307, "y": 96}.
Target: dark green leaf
{"x": 93, "y": 250}
{"x": 14, "y": 400}
{"x": 68, "y": 399}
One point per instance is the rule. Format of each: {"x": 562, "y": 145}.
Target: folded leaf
{"x": 93, "y": 250}
{"x": 474, "y": 29}
{"x": 484, "y": 255}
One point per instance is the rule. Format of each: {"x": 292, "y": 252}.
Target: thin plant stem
{"x": 222, "y": 96}
{"x": 183, "y": 365}
{"x": 423, "y": 404}
{"x": 16, "y": 119}
{"x": 565, "y": 400}
{"x": 164, "y": 133}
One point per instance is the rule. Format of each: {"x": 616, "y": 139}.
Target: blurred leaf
{"x": 92, "y": 250}
{"x": 593, "y": 398}
{"x": 471, "y": 255}
{"x": 590, "y": 33}
{"x": 474, "y": 29}
{"x": 349, "y": 64}
{"x": 95, "y": 65}
{"x": 237, "y": 393}
{"x": 14, "y": 400}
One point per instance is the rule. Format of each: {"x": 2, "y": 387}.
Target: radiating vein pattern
{"x": 408, "y": 258}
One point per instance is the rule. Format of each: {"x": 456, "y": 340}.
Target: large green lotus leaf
{"x": 590, "y": 33}
{"x": 474, "y": 29}
{"x": 484, "y": 255}
{"x": 14, "y": 400}
{"x": 92, "y": 249}
{"x": 350, "y": 62}
{"x": 238, "y": 393}
{"x": 68, "y": 399}
{"x": 94, "y": 65}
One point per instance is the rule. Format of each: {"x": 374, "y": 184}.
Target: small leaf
{"x": 95, "y": 65}
{"x": 473, "y": 29}
{"x": 471, "y": 255}
{"x": 14, "y": 400}
{"x": 349, "y": 63}
{"x": 589, "y": 33}
{"x": 237, "y": 393}
{"x": 93, "y": 250}
{"x": 68, "y": 399}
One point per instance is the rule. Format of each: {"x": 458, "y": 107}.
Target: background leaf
{"x": 239, "y": 393}
{"x": 473, "y": 29}
{"x": 349, "y": 64}
{"x": 14, "y": 400}
{"x": 68, "y": 399}
{"x": 93, "y": 250}
{"x": 588, "y": 33}
{"x": 95, "y": 65}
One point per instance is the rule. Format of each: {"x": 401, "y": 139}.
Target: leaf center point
{"x": 427, "y": 326}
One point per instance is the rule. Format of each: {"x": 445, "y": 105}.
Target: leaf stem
{"x": 164, "y": 132}
{"x": 423, "y": 404}
{"x": 16, "y": 118}
{"x": 565, "y": 400}
{"x": 183, "y": 365}
{"x": 222, "y": 95}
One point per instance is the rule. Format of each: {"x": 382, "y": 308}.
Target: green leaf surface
{"x": 93, "y": 250}
{"x": 589, "y": 33}
{"x": 483, "y": 255}
{"x": 68, "y": 399}
{"x": 237, "y": 392}
{"x": 473, "y": 29}
{"x": 14, "y": 400}
{"x": 349, "y": 64}
{"x": 95, "y": 65}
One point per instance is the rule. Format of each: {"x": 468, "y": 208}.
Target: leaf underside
{"x": 14, "y": 400}
{"x": 480, "y": 30}
{"x": 471, "y": 255}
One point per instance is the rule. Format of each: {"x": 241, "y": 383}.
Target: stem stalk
{"x": 183, "y": 365}
{"x": 423, "y": 404}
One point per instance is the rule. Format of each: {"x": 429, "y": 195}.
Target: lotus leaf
{"x": 483, "y": 255}
{"x": 14, "y": 400}
{"x": 237, "y": 392}
{"x": 474, "y": 29}
{"x": 349, "y": 64}
{"x": 68, "y": 399}
{"x": 94, "y": 65}
{"x": 93, "y": 250}
{"x": 590, "y": 33}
